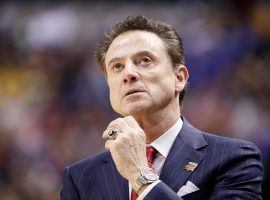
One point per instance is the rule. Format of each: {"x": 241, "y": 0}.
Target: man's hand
{"x": 128, "y": 150}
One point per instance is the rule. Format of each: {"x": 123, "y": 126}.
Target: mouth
{"x": 134, "y": 91}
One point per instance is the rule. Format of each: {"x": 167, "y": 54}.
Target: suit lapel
{"x": 112, "y": 185}
{"x": 186, "y": 148}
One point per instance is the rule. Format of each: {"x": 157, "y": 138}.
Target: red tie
{"x": 150, "y": 154}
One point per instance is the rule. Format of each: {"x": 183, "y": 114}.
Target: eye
{"x": 117, "y": 67}
{"x": 145, "y": 60}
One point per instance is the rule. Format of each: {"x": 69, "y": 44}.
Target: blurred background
{"x": 54, "y": 101}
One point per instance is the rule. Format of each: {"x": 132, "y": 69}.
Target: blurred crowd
{"x": 54, "y": 101}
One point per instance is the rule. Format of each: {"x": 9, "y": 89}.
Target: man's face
{"x": 140, "y": 75}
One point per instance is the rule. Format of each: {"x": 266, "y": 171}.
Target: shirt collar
{"x": 164, "y": 143}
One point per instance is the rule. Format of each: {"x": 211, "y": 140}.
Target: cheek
{"x": 113, "y": 101}
{"x": 114, "y": 95}
{"x": 164, "y": 84}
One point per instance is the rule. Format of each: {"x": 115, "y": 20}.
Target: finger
{"x": 108, "y": 144}
{"x": 133, "y": 123}
{"x": 114, "y": 123}
{"x": 121, "y": 125}
{"x": 105, "y": 134}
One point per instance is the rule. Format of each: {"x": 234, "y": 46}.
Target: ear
{"x": 182, "y": 75}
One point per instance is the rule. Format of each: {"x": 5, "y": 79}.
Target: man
{"x": 143, "y": 62}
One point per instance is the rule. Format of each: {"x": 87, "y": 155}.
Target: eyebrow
{"x": 140, "y": 53}
{"x": 114, "y": 60}
{"x": 143, "y": 53}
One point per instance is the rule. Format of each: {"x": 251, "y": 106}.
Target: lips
{"x": 132, "y": 91}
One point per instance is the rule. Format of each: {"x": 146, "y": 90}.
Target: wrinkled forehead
{"x": 131, "y": 42}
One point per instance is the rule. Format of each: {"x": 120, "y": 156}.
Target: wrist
{"x": 144, "y": 178}
{"x": 134, "y": 175}
{"x": 142, "y": 188}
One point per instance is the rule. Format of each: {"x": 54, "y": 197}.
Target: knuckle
{"x": 142, "y": 135}
{"x": 115, "y": 122}
{"x": 104, "y": 134}
{"x": 115, "y": 146}
{"x": 123, "y": 137}
{"x": 119, "y": 120}
{"x": 107, "y": 146}
{"x": 129, "y": 117}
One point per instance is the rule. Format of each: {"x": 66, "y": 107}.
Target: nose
{"x": 130, "y": 73}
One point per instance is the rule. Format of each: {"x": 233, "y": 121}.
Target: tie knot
{"x": 150, "y": 154}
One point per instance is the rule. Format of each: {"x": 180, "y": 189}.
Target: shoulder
{"x": 231, "y": 151}
{"x": 232, "y": 143}
{"x": 199, "y": 139}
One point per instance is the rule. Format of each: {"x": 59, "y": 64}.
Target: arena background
{"x": 54, "y": 102}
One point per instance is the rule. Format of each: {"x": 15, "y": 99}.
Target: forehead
{"x": 132, "y": 42}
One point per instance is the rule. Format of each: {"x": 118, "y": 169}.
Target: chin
{"x": 135, "y": 110}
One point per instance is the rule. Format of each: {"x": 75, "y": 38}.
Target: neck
{"x": 159, "y": 122}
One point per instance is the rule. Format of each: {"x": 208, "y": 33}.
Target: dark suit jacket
{"x": 228, "y": 169}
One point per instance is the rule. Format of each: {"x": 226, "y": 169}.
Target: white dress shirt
{"x": 163, "y": 145}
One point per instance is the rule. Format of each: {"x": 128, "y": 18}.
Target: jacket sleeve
{"x": 69, "y": 190}
{"x": 160, "y": 192}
